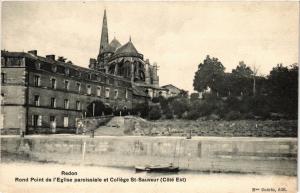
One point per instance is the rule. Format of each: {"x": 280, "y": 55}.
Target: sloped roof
{"x": 127, "y": 48}
{"x": 109, "y": 48}
{"x": 115, "y": 44}
{"x": 139, "y": 91}
{"x": 168, "y": 86}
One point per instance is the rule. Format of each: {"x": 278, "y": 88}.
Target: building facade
{"x": 39, "y": 92}
{"x": 48, "y": 95}
{"x": 171, "y": 91}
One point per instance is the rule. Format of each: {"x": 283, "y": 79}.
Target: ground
{"x": 180, "y": 127}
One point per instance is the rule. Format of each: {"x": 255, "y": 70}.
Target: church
{"x": 125, "y": 61}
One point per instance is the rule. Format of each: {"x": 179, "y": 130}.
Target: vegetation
{"x": 240, "y": 94}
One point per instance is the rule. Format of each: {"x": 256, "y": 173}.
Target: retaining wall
{"x": 211, "y": 154}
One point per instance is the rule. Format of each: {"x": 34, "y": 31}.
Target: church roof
{"x": 115, "y": 44}
{"x": 127, "y": 48}
{"x": 108, "y": 48}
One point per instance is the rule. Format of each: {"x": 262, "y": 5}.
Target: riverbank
{"x": 204, "y": 154}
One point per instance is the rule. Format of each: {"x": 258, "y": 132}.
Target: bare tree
{"x": 255, "y": 71}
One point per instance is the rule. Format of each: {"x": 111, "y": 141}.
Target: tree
{"x": 98, "y": 108}
{"x": 242, "y": 70}
{"x": 255, "y": 71}
{"x": 241, "y": 78}
{"x": 194, "y": 96}
{"x": 283, "y": 89}
{"x": 209, "y": 74}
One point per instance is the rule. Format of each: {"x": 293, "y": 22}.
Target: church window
{"x": 126, "y": 93}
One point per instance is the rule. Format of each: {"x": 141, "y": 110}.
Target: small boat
{"x": 157, "y": 168}
{"x": 141, "y": 169}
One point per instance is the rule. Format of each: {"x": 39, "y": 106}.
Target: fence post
{"x": 83, "y": 152}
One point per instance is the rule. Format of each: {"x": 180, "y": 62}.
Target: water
{"x": 121, "y": 180}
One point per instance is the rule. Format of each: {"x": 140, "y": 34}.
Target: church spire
{"x": 104, "y": 34}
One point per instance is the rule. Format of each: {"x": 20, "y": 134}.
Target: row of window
{"x": 53, "y": 103}
{"x": 73, "y": 72}
{"x": 37, "y": 121}
{"x": 37, "y": 82}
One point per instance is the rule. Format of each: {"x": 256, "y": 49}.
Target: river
{"x": 38, "y": 177}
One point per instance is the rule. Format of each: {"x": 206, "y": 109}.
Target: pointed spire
{"x": 104, "y": 34}
{"x": 130, "y": 38}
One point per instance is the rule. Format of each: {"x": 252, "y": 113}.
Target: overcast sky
{"x": 176, "y": 35}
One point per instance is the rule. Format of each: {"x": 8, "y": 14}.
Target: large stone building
{"x": 39, "y": 93}
{"x": 126, "y": 62}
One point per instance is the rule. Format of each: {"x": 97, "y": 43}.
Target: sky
{"x": 175, "y": 35}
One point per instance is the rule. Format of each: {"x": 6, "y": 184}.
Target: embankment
{"x": 209, "y": 154}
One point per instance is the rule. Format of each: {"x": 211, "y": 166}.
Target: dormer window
{"x": 38, "y": 65}
{"x": 67, "y": 71}
{"x": 78, "y": 86}
{"x": 53, "y": 68}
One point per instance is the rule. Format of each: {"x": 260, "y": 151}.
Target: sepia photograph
{"x": 149, "y": 96}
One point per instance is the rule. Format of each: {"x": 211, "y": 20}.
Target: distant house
{"x": 171, "y": 91}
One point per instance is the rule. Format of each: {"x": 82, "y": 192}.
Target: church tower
{"x": 104, "y": 35}
{"x": 104, "y": 51}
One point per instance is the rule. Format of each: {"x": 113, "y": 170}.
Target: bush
{"x": 168, "y": 113}
{"x": 141, "y": 109}
{"x": 179, "y": 106}
{"x": 194, "y": 96}
{"x": 193, "y": 114}
{"x": 99, "y": 109}
{"x": 233, "y": 115}
{"x": 155, "y": 100}
{"x": 154, "y": 113}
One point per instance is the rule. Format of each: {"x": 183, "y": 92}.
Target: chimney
{"x": 51, "y": 57}
{"x": 92, "y": 63}
{"x": 34, "y": 52}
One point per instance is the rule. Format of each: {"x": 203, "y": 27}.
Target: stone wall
{"x": 239, "y": 128}
{"x": 207, "y": 154}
